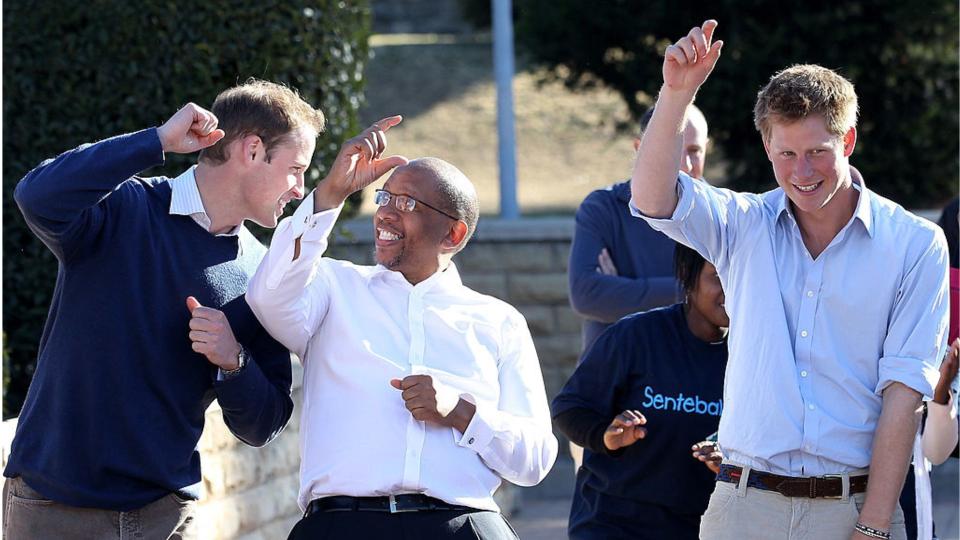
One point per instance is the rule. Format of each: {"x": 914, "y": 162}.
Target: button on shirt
{"x": 358, "y": 327}
{"x": 814, "y": 342}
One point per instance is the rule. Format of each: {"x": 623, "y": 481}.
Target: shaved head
{"x": 456, "y": 194}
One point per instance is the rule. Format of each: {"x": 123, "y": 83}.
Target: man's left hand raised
{"x": 430, "y": 401}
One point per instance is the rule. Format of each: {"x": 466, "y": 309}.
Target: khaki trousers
{"x": 736, "y": 512}
{"x": 28, "y": 515}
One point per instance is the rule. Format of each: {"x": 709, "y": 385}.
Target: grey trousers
{"x": 28, "y": 515}
{"x": 746, "y": 513}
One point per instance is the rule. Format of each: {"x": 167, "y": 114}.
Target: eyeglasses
{"x": 403, "y": 203}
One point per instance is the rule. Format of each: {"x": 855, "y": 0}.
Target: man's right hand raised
{"x": 358, "y": 164}
{"x": 688, "y": 62}
{"x": 189, "y": 130}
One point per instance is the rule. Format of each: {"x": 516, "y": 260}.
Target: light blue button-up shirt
{"x": 813, "y": 342}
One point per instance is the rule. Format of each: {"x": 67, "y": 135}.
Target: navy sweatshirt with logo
{"x": 650, "y": 362}
{"x": 116, "y": 406}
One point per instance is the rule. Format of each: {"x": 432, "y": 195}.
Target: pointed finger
{"x": 386, "y": 123}
{"x": 708, "y": 27}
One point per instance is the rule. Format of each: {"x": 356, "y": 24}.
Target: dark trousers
{"x": 437, "y": 524}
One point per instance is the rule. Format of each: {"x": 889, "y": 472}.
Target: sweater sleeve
{"x": 585, "y": 427}
{"x": 602, "y": 297}
{"x": 256, "y": 404}
{"x": 60, "y": 198}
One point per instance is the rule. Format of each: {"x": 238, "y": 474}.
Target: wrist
{"x": 235, "y": 365}
{"x": 681, "y": 97}
{"x": 461, "y": 415}
{"x": 164, "y": 143}
{"x": 941, "y": 397}
{"x": 326, "y": 198}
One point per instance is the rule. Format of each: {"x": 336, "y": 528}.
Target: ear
{"x": 849, "y": 141}
{"x": 251, "y": 148}
{"x": 455, "y": 236}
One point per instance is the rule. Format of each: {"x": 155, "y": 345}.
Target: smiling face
{"x": 811, "y": 165}
{"x": 275, "y": 180}
{"x": 412, "y": 242}
{"x": 707, "y": 298}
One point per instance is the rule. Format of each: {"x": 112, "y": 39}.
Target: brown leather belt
{"x": 789, "y": 486}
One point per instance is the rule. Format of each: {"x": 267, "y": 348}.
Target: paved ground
{"x": 544, "y": 512}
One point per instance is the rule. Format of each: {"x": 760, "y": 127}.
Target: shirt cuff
{"x": 905, "y": 370}
{"x": 313, "y": 226}
{"x": 684, "y": 203}
{"x": 478, "y": 434}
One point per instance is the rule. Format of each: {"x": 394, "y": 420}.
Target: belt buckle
{"x": 826, "y": 477}
{"x": 392, "y": 500}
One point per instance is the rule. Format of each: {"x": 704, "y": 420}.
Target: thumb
{"x": 192, "y": 303}
{"x": 383, "y": 165}
{"x": 396, "y": 383}
{"x": 210, "y": 139}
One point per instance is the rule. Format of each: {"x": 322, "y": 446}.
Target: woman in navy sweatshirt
{"x": 648, "y": 388}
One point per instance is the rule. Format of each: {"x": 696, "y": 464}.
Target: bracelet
{"x": 871, "y": 532}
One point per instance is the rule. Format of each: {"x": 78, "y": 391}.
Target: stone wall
{"x": 250, "y": 493}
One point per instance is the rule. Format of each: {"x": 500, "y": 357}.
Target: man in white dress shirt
{"x": 420, "y": 394}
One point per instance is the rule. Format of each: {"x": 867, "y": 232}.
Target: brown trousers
{"x": 29, "y": 515}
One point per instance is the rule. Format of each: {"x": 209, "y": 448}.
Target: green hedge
{"x": 76, "y": 72}
{"x": 901, "y": 55}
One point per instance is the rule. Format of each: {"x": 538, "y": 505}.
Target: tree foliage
{"x": 77, "y": 72}
{"x": 901, "y": 56}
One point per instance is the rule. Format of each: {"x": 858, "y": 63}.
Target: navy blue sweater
{"x": 651, "y": 362}
{"x": 116, "y": 405}
{"x": 643, "y": 257}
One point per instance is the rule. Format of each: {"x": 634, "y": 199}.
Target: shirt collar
{"x": 185, "y": 201}
{"x": 440, "y": 280}
{"x": 863, "y": 211}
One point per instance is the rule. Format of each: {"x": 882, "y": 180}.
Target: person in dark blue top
{"x": 618, "y": 264}
{"x": 649, "y": 387}
{"x": 148, "y": 323}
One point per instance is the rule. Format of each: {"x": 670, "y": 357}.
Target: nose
{"x": 686, "y": 164}
{"x": 299, "y": 188}
{"x": 803, "y": 169}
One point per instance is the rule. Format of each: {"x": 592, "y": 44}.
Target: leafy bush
{"x": 77, "y": 72}
{"x": 901, "y": 56}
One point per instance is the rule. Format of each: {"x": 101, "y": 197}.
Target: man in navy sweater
{"x": 148, "y": 323}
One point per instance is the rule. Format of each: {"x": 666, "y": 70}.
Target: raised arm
{"x": 280, "y": 293}
{"x": 59, "y": 198}
{"x": 686, "y": 65}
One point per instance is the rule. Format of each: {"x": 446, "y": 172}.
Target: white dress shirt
{"x": 814, "y": 342}
{"x": 358, "y": 327}
{"x": 185, "y": 201}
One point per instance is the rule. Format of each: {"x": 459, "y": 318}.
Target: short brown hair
{"x": 804, "y": 90}
{"x": 268, "y": 110}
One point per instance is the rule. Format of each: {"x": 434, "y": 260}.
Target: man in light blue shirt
{"x": 838, "y": 305}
